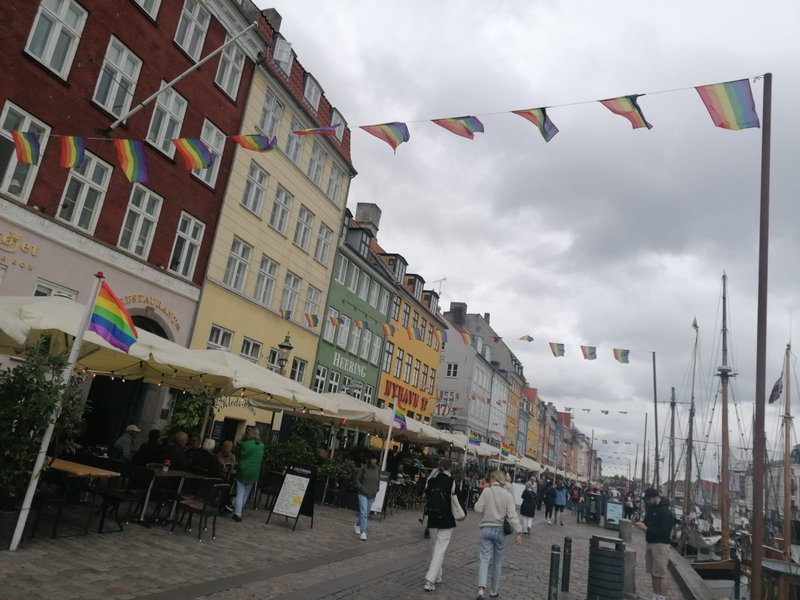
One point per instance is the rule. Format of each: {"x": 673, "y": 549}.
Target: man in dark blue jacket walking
{"x": 657, "y": 526}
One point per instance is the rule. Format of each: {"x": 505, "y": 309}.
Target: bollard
{"x": 552, "y": 586}
{"x": 567, "y": 564}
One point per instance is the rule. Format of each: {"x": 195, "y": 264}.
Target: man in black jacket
{"x": 657, "y": 526}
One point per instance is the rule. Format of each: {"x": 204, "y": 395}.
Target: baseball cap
{"x": 132, "y": 428}
{"x": 651, "y": 493}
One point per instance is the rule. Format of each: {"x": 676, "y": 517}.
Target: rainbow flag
{"x": 526, "y": 338}
{"x": 730, "y": 104}
{"x": 311, "y": 320}
{"x": 285, "y": 314}
{"x": 334, "y": 321}
{"x": 463, "y": 126}
{"x": 622, "y": 355}
{"x": 465, "y": 336}
{"x": 538, "y": 116}
{"x": 366, "y": 325}
{"x": 557, "y": 349}
{"x": 589, "y": 352}
{"x": 358, "y": 324}
{"x": 73, "y": 149}
{"x": 111, "y": 321}
{"x": 195, "y": 153}
{"x": 419, "y": 333}
{"x": 410, "y": 332}
{"x": 256, "y": 142}
{"x": 330, "y": 130}
{"x": 130, "y": 154}
{"x": 400, "y": 417}
{"x": 437, "y": 336}
{"x": 473, "y": 439}
{"x": 628, "y": 107}
{"x": 388, "y": 328}
{"x": 505, "y": 449}
{"x": 393, "y": 134}
{"x": 27, "y": 146}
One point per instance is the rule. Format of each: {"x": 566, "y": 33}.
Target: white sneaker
{"x": 363, "y": 536}
{"x": 357, "y": 529}
{"x": 429, "y": 587}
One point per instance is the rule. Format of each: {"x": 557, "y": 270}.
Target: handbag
{"x": 455, "y": 507}
{"x": 508, "y": 528}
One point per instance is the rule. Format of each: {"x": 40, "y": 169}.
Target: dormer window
{"x": 312, "y": 92}
{"x": 336, "y": 117}
{"x": 399, "y": 269}
{"x": 363, "y": 246}
{"x": 434, "y": 304}
{"x": 283, "y": 55}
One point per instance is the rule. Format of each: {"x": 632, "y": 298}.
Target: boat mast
{"x": 724, "y": 373}
{"x": 787, "y": 461}
{"x": 672, "y": 473}
{"x": 644, "y": 454}
{"x": 687, "y": 489}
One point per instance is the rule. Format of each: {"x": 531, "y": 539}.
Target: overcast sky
{"x": 605, "y": 236}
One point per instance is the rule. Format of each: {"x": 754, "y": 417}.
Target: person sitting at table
{"x": 205, "y": 461}
{"x": 175, "y": 452}
{"x": 226, "y": 457}
{"x": 123, "y": 447}
{"x": 150, "y": 451}
{"x": 195, "y": 445}
{"x": 400, "y": 475}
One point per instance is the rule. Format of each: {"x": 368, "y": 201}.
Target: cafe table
{"x": 159, "y": 472}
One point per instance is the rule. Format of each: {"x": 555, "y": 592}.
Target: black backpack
{"x": 438, "y": 500}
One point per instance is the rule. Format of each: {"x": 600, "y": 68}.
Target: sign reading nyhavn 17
{"x": 404, "y": 395}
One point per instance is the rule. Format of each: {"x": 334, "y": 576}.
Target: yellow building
{"x": 515, "y": 383}
{"x": 271, "y": 260}
{"x": 531, "y": 396}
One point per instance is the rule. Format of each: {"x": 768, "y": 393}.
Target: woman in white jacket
{"x": 495, "y": 504}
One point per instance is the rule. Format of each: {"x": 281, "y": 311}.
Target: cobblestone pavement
{"x": 252, "y": 560}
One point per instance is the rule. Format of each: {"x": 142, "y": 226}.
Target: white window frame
{"x": 281, "y": 208}
{"x": 92, "y": 175}
{"x": 377, "y": 344}
{"x": 374, "y": 293}
{"x": 59, "y": 27}
{"x": 344, "y": 332}
{"x": 167, "y": 120}
{"x": 313, "y": 296}
{"x": 388, "y": 357}
{"x": 153, "y": 5}
{"x": 320, "y": 376}
{"x": 333, "y": 382}
{"x": 329, "y": 333}
{"x": 194, "y": 21}
{"x": 265, "y": 281}
{"x": 302, "y": 230}
{"x": 238, "y": 262}
{"x": 322, "y": 248}
{"x": 415, "y": 376}
{"x": 363, "y": 286}
{"x": 352, "y": 277}
{"x": 192, "y": 241}
{"x": 335, "y": 181}
{"x": 229, "y": 70}
{"x": 341, "y": 269}
{"x": 355, "y": 340}
{"x": 219, "y": 338}
{"x": 369, "y": 394}
{"x": 316, "y": 163}
{"x": 283, "y": 55}
{"x": 48, "y": 288}
{"x": 336, "y": 117}
{"x": 255, "y": 188}
{"x": 215, "y": 140}
{"x": 383, "y": 305}
{"x": 366, "y": 344}
{"x": 298, "y": 371}
{"x": 251, "y": 349}
{"x": 271, "y": 115}
{"x": 18, "y": 178}
{"x": 291, "y": 291}
{"x": 312, "y": 92}
{"x": 113, "y": 73}
{"x": 295, "y": 143}
{"x": 144, "y": 208}
{"x": 272, "y": 360}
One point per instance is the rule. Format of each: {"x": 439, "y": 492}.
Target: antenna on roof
{"x": 439, "y": 281}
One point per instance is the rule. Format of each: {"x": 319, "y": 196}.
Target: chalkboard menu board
{"x": 296, "y": 496}
{"x": 216, "y": 432}
{"x": 593, "y": 508}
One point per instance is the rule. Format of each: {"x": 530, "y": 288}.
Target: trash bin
{"x": 613, "y": 513}
{"x": 606, "y": 579}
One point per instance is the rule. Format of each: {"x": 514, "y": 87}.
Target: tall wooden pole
{"x": 724, "y": 373}
{"x": 787, "y": 461}
{"x": 656, "y": 464}
{"x": 759, "y": 435}
{"x": 687, "y": 485}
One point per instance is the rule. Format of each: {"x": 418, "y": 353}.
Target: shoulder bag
{"x": 455, "y": 508}
{"x": 508, "y": 528}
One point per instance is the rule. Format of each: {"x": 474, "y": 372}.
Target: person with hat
{"x": 123, "y": 447}
{"x": 657, "y": 527}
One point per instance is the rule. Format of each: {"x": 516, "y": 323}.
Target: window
{"x": 265, "y": 281}
{"x": 415, "y": 378}
{"x": 238, "y": 261}
{"x": 433, "y": 381}
{"x": 215, "y": 140}
{"x": 271, "y": 114}
{"x": 398, "y": 363}
{"x": 254, "y": 188}
{"x": 363, "y": 286}
{"x": 352, "y": 279}
{"x": 298, "y": 372}
{"x": 355, "y": 338}
{"x": 282, "y": 55}
{"x": 323, "y": 244}
{"x": 330, "y": 329}
{"x": 55, "y": 34}
{"x": 374, "y": 293}
{"x": 187, "y": 245}
{"x": 344, "y": 331}
{"x": 251, "y": 349}
{"x": 302, "y": 232}
{"x": 149, "y": 6}
{"x": 363, "y": 245}
{"x": 384, "y": 302}
{"x": 341, "y": 269}
{"x": 167, "y": 120}
{"x": 312, "y": 300}
{"x": 407, "y": 369}
{"x": 388, "y": 351}
{"x": 140, "y": 221}
{"x": 294, "y": 143}
{"x": 291, "y": 289}
{"x": 47, "y": 288}
{"x": 366, "y": 344}
{"x": 423, "y": 325}
{"x": 317, "y": 163}
{"x": 338, "y": 119}
{"x": 229, "y": 71}
{"x": 272, "y": 360}
{"x": 192, "y": 28}
{"x": 280, "y": 210}
{"x": 406, "y": 314}
{"x": 117, "y": 81}
{"x": 424, "y": 377}
{"x": 84, "y": 193}
{"x": 369, "y": 394}
{"x": 320, "y": 375}
{"x": 312, "y": 92}
{"x": 396, "y": 308}
{"x": 335, "y": 184}
{"x": 219, "y": 338}
{"x": 415, "y": 320}
{"x": 429, "y": 341}
{"x": 16, "y": 178}
{"x": 375, "y": 356}
{"x": 333, "y": 382}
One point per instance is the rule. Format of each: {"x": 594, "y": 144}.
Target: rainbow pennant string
{"x": 466, "y": 337}
{"x": 589, "y": 352}
{"x": 73, "y": 149}
{"x": 311, "y": 320}
{"x": 195, "y": 153}
{"x": 130, "y": 154}
{"x": 256, "y": 142}
{"x": 410, "y": 332}
{"x": 473, "y": 439}
{"x": 334, "y": 321}
{"x": 463, "y": 126}
{"x": 526, "y": 338}
{"x": 358, "y": 324}
{"x": 538, "y": 116}
{"x": 330, "y": 130}
{"x": 393, "y": 134}
{"x": 285, "y": 314}
{"x": 628, "y": 107}
{"x": 557, "y": 349}
{"x": 400, "y": 417}
{"x": 111, "y": 321}
{"x": 27, "y": 146}
{"x": 388, "y": 328}
{"x": 730, "y": 104}
{"x": 621, "y": 355}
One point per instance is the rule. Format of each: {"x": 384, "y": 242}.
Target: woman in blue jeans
{"x": 368, "y": 481}
{"x": 495, "y": 504}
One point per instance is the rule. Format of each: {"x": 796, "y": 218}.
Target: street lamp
{"x": 285, "y": 347}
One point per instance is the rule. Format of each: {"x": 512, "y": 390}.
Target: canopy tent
{"x": 530, "y": 464}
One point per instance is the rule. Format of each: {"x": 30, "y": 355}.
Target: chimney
{"x": 273, "y": 17}
{"x": 458, "y": 312}
{"x": 486, "y": 318}
{"x": 369, "y": 216}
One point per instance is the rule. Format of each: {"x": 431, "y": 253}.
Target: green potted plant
{"x": 29, "y": 394}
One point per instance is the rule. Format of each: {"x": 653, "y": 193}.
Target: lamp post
{"x": 285, "y": 347}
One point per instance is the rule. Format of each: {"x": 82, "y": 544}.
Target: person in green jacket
{"x": 249, "y": 454}
{"x": 368, "y": 481}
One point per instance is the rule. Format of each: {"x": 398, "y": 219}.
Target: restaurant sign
{"x": 12, "y": 243}
{"x": 405, "y": 396}
{"x": 351, "y": 366}
{"x": 155, "y": 303}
